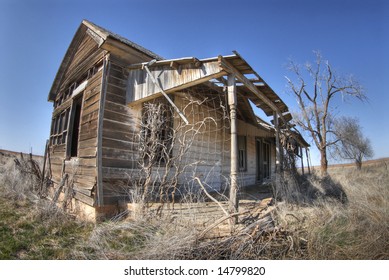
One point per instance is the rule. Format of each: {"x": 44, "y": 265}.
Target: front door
{"x": 263, "y": 159}
{"x": 266, "y": 160}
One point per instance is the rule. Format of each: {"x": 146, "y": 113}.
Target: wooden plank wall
{"x": 140, "y": 86}
{"x": 84, "y": 168}
{"x": 120, "y": 130}
{"x": 84, "y": 57}
{"x": 209, "y": 156}
{"x": 81, "y": 170}
{"x": 209, "y": 150}
{"x": 252, "y": 133}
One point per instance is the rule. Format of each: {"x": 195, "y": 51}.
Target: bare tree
{"x": 352, "y": 145}
{"x": 315, "y": 87}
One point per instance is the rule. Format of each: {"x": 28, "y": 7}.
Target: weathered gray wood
{"x": 104, "y": 84}
{"x": 87, "y": 192}
{"x": 119, "y": 144}
{"x": 84, "y": 181}
{"x": 115, "y": 153}
{"x": 44, "y": 166}
{"x": 232, "y": 102}
{"x": 119, "y": 173}
{"x": 302, "y": 160}
{"x": 278, "y": 145}
{"x": 113, "y": 162}
{"x": 59, "y": 189}
{"x": 119, "y": 126}
{"x": 157, "y": 84}
{"x": 140, "y": 84}
{"x": 84, "y": 198}
{"x": 87, "y": 162}
{"x": 118, "y": 117}
{"x": 231, "y": 69}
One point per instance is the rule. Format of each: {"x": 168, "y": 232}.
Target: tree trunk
{"x": 358, "y": 162}
{"x": 323, "y": 162}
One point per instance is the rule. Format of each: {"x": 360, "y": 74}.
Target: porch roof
{"x": 249, "y": 84}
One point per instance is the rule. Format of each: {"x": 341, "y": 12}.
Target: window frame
{"x": 242, "y": 153}
{"x": 59, "y": 127}
{"x": 164, "y": 136}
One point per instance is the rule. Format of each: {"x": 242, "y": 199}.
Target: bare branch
{"x": 318, "y": 118}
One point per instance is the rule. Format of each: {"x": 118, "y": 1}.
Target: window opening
{"x": 59, "y": 128}
{"x": 263, "y": 159}
{"x": 242, "y": 153}
{"x": 75, "y": 127}
{"x": 266, "y": 160}
{"x": 156, "y": 136}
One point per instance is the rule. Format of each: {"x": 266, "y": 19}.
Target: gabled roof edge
{"x": 65, "y": 62}
{"x": 104, "y": 34}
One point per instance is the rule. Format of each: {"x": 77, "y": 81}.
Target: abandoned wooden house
{"x": 128, "y": 123}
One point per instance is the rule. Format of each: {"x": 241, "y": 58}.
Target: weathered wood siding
{"x": 86, "y": 55}
{"x": 252, "y": 133}
{"x": 209, "y": 156}
{"x": 85, "y": 178}
{"x": 140, "y": 86}
{"x": 119, "y": 133}
{"x": 82, "y": 169}
{"x": 209, "y": 149}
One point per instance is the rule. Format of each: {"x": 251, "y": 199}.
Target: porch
{"x": 211, "y": 217}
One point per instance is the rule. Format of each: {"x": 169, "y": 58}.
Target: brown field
{"x": 341, "y": 217}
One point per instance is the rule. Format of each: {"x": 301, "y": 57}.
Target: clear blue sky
{"x": 352, "y": 35}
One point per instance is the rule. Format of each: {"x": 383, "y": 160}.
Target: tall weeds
{"x": 31, "y": 227}
{"x": 344, "y": 216}
{"x": 333, "y": 229}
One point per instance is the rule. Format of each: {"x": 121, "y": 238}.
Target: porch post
{"x": 278, "y": 146}
{"x": 302, "y": 159}
{"x": 232, "y": 102}
{"x": 309, "y": 168}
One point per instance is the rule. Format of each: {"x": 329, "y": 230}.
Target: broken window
{"x": 263, "y": 159}
{"x": 242, "y": 156}
{"x": 157, "y": 133}
{"x": 74, "y": 128}
{"x": 65, "y": 128}
{"x": 266, "y": 160}
{"x": 59, "y": 128}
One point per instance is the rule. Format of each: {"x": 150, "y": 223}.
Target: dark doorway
{"x": 74, "y": 129}
{"x": 263, "y": 159}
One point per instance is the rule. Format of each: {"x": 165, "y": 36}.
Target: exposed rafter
{"x": 231, "y": 69}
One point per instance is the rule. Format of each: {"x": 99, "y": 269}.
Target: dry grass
{"x": 358, "y": 228}
{"x": 341, "y": 217}
{"x": 30, "y": 227}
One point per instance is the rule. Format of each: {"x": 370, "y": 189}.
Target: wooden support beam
{"x": 232, "y": 102}
{"x": 302, "y": 160}
{"x": 166, "y": 96}
{"x": 231, "y": 69}
{"x": 308, "y": 159}
{"x": 278, "y": 145}
{"x": 197, "y": 62}
{"x": 223, "y": 63}
{"x": 142, "y": 85}
{"x": 174, "y": 65}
